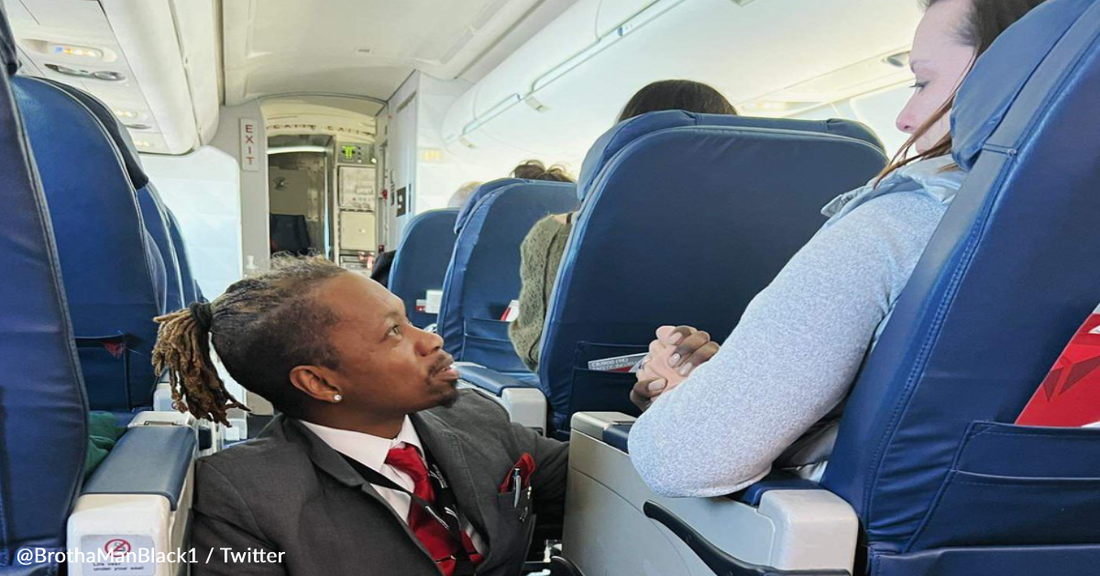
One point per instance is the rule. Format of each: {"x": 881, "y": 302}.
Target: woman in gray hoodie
{"x": 772, "y": 394}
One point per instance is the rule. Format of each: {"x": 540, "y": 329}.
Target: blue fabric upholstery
{"x": 153, "y": 211}
{"x": 1004, "y": 283}
{"x": 628, "y": 131}
{"x": 155, "y": 218}
{"x": 421, "y": 261}
{"x": 617, "y": 436}
{"x": 777, "y": 480}
{"x": 191, "y": 290}
{"x": 147, "y": 460}
{"x": 685, "y": 224}
{"x": 113, "y": 273}
{"x": 43, "y": 425}
{"x": 483, "y": 276}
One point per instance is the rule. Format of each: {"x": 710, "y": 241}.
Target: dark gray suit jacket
{"x": 287, "y": 491}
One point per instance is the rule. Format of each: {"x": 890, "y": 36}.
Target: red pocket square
{"x": 525, "y": 467}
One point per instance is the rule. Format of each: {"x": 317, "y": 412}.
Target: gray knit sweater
{"x": 541, "y": 255}
{"x": 798, "y": 346}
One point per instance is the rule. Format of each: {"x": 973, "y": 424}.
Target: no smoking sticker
{"x": 119, "y": 554}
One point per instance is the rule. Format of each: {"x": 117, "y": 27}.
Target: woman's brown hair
{"x": 535, "y": 170}
{"x": 986, "y": 21}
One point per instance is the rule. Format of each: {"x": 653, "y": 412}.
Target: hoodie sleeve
{"x": 791, "y": 358}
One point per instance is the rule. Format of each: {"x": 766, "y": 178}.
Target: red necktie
{"x": 437, "y": 539}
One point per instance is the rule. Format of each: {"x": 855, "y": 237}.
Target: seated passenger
{"x": 459, "y": 198}
{"x": 377, "y": 463}
{"x": 544, "y": 246}
{"x": 774, "y": 391}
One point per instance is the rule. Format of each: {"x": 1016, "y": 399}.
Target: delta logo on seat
{"x": 1070, "y": 394}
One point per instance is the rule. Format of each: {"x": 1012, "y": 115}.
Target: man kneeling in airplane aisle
{"x": 377, "y": 464}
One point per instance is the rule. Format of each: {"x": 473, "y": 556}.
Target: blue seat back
{"x": 686, "y": 218}
{"x": 113, "y": 273}
{"x": 153, "y": 211}
{"x": 43, "y": 427}
{"x": 483, "y": 276}
{"x": 421, "y": 260}
{"x": 942, "y": 481}
{"x": 191, "y": 290}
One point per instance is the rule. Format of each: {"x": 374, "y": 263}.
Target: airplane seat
{"x": 192, "y": 292}
{"x": 421, "y": 261}
{"x": 154, "y": 213}
{"x": 113, "y": 272}
{"x": 685, "y": 218}
{"x": 483, "y": 278}
{"x": 44, "y": 402}
{"x": 929, "y": 475}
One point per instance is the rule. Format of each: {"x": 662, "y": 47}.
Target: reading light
{"x": 78, "y": 51}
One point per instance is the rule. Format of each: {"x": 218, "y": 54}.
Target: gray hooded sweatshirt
{"x": 774, "y": 391}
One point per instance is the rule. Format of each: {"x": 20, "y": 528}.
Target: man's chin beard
{"x": 449, "y": 397}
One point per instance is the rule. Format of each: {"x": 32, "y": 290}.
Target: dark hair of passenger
{"x": 535, "y": 170}
{"x": 686, "y": 95}
{"x": 261, "y": 328}
{"x": 986, "y": 21}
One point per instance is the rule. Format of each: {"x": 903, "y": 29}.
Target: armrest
{"x": 490, "y": 380}
{"x": 152, "y": 460}
{"x": 138, "y": 501}
{"x": 524, "y": 401}
{"x": 614, "y": 430}
{"x": 776, "y": 480}
{"x": 611, "y": 515}
{"x": 714, "y": 557}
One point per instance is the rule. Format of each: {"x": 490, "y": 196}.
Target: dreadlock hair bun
{"x": 203, "y": 314}
{"x": 183, "y": 349}
{"x": 262, "y": 327}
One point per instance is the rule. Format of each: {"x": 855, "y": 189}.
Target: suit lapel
{"x": 476, "y": 500}
{"x": 325, "y": 458}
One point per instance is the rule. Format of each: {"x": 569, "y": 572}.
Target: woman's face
{"x": 940, "y": 60}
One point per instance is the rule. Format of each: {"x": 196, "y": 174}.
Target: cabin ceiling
{"x": 366, "y": 47}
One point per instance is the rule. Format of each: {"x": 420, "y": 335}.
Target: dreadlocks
{"x": 261, "y": 328}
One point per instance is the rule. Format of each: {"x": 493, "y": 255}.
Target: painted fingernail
{"x": 675, "y": 338}
{"x": 673, "y": 360}
{"x": 687, "y": 368}
{"x": 657, "y": 385}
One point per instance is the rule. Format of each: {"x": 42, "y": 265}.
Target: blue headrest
{"x": 994, "y": 84}
{"x": 632, "y": 129}
{"x": 746, "y": 198}
{"x": 421, "y": 260}
{"x": 44, "y": 406}
{"x": 113, "y": 273}
{"x": 115, "y": 129}
{"x": 926, "y": 452}
{"x": 9, "y": 56}
{"x": 483, "y": 274}
{"x": 480, "y": 194}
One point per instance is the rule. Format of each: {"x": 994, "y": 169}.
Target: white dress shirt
{"x": 371, "y": 451}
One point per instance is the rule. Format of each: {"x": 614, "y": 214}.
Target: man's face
{"x": 386, "y": 365}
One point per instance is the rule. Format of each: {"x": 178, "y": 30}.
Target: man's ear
{"x": 313, "y": 381}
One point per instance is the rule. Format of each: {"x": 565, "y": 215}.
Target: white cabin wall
{"x": 203, "y": 190}
{"x": 416, "y": 157}
{"x": 255, "y": 237}
{"x": 397, "y": 143}
{"x": 878, "y": 109}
